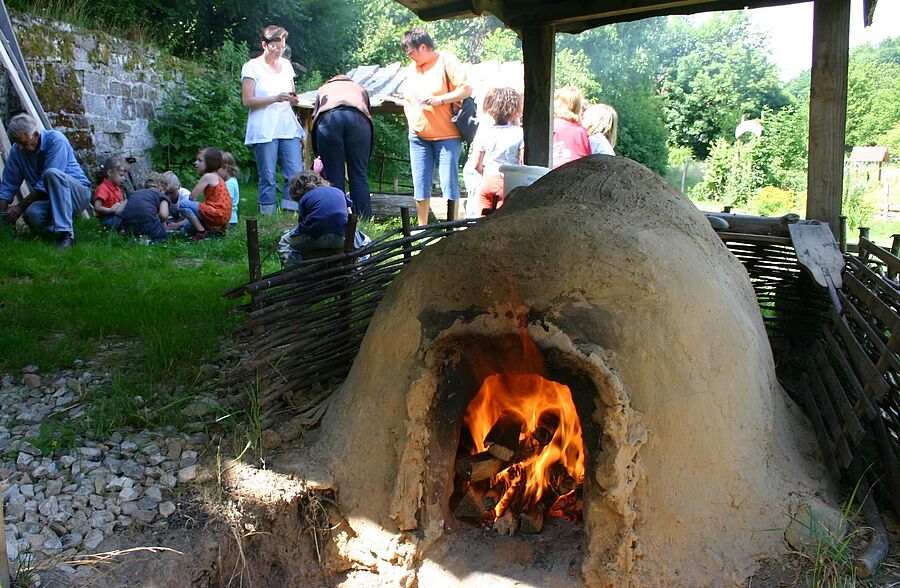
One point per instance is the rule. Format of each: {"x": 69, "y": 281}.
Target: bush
{"x": 772, "y": 201}
{"x": 204, "y": 110}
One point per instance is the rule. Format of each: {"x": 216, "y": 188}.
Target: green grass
{"x": 163, "y": 301}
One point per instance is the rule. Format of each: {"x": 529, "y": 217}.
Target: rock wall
{"x": 100, "y": 90}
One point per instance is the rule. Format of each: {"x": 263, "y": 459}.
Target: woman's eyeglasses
{"x": 275, "y": 46}
{"x": 409, "y": 52}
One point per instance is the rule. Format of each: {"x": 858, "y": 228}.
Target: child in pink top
{"x": 108, "y": 197}
{"x": 570, "y": 140}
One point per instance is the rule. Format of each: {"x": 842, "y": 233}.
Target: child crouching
{"x": 322, "y": 217}
{"x": 146, "y": 211}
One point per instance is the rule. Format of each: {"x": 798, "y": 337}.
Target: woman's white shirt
{"x": 277, "y": 120}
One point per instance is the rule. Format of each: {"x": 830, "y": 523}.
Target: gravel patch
{"x": 66, "y": 503}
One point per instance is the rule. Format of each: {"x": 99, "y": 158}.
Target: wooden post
{"x": 538, "y": 50}
{"x": 4, "y": 557}
{"x": 253, "y": 250}
{"x": 828, "y": 110}
{"x": 726, "y": 209}
{"x": 860, "y": 249}
{"x": 407, "y": 231}
{"x": 895, "y": 245}
{"x": 350, "y": 234}
{"x": 451, "y": 209}
{"x": 842, "y": 240}
{"x": 684, "y": 171}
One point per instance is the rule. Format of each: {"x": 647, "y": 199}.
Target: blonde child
{"x": 602, "y": 124}
{"x": 230, "y": 173}
{"x": 176, "y": 194}
{"x": 108, "y": 197}
{"x": 213, "y": 213}
{"x": 497, "y": 144}
{"x": 570, "y": 139}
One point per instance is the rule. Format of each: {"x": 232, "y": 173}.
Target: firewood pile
{"x": 508, "y": 486}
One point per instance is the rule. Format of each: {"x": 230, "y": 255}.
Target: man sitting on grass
{"x": 59, "y": 188}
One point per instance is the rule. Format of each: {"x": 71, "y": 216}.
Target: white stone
{"x": 131, "y": 493}
{"x": 93, "y": 539}
{"x": 166, "y": 509}
{"x": 101, "y": 518}
{"x": 49, "y": 507}
{"x": 90, "y": 452}
{"x": 187, "y": 474}
{"x": 54, "y": 487}
{"x": 154, "y": 493}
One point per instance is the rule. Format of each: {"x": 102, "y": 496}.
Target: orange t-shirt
{"x": 108, "y": 194}
{"x": 215, "y": 210}
{"x": 433, "y": 122}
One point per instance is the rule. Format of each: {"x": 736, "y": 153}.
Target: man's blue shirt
{"x": 55, "y": 152}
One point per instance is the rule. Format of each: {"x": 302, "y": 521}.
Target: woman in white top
{"x": 602, "y": 124}
{"x": 267, "y": 90}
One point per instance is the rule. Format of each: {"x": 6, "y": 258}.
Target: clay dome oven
{"x": 603, "y": 279}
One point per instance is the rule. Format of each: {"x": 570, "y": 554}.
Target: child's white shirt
{"x": 500, "y": 143}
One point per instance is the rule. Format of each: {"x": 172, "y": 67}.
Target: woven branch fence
{"x": 307, "y": 324}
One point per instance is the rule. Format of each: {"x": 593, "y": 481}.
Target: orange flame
{"x": 530, "y": 397}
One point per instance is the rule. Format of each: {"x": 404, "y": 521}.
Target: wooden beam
{"x": 538, "y": 51}
{"x": 828, "y": 110}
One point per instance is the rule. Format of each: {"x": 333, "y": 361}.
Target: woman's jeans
{"x": 344, "y": 137}
{"x": 289, "y": 152}
{"x": 422, "y": 156}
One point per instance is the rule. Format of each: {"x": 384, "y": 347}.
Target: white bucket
{"x": 520, "y": 175}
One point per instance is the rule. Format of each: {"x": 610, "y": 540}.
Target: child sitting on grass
{"x": 211, "y": 215}
{"x": 108, "y": 197}
{"x": 322, "y": 217}
{"x": 230, "y": 173}
{"x": 146, "y": 210}
{"x": 173, "y": 189}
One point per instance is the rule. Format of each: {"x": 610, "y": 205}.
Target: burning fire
{"x": 522, "y": 452}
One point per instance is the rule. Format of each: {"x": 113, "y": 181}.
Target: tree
{"x": 724, "y": 76}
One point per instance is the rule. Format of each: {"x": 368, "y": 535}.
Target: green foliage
{"x": 772, "y": 201}
{"x": 873, "y": 85}
{"x": 721, "y": 72}
{"x": 733, "y": 176}
{"x": 502, "y": 45}
{"x": 204, "y": 110}
{"x": 678, "y": 156}
{"x": 857, "y": 205}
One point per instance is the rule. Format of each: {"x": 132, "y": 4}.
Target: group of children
{"x": 163, "y": 206}
{"x": 577, "y": 132}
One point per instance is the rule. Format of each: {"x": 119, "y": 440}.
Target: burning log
{"x": 561, "y": 482}
{"x": 503, "y": 438}
{"x": 492, "y": 497}
{"x": 532, "y": 520}
{"x": 547, "y": 424}
{"x": 470, "y": 506}
{"x": 480, "y": 466}
{"x": 514, "y": 493}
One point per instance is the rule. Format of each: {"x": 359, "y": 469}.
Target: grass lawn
{"x": 164, "y": 299}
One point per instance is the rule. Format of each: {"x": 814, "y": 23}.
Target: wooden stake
{"x": 4, "y": 557}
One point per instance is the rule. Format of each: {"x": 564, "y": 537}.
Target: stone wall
{"x": 101, "y": 91}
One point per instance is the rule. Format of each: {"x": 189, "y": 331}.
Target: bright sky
{"x": 790, "y": 31}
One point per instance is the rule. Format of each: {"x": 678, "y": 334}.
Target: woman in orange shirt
{"x": 435, "y": 81}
